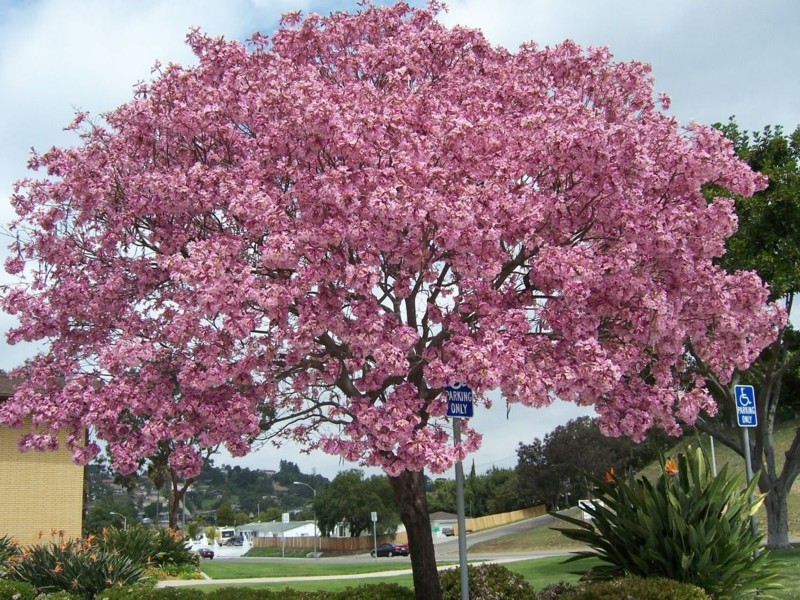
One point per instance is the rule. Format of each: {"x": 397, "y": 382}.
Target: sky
{"x": 714, "y": 58}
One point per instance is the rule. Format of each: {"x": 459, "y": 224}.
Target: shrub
{"x": 172, "y": 549}
{"x": 73, "y": 566}
{"x": 137, "y": 543}
{"x": 486, "y": 582}
{"x": 554, "y": 591}
{"x": 636, "y": 588}
{"x": 145, "y": 592}
{"x": 16, "y": 590}
{"x": 689, "y": 526}
{"x": 9, "y": 549}
{"x": 185, "y": 572}
{"x": 384, "y": 591}
{"x": 142, "y": 545}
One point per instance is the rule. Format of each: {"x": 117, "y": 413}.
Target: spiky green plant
{"x": 8, "y": 550}
{"x": 690, "y": 526}
{"x": 73, "y": 566}
{"x": 158, "y": 547}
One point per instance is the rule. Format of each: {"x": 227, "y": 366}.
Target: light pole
{"x": 314, "y": 508}
{"x": 124, "y": 520}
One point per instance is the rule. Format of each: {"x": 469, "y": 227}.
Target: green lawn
{"x": 306, "y": 568}
{"x": 539, "y": 572}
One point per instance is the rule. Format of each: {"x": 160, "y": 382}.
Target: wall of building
{"x": 41, "y": 493}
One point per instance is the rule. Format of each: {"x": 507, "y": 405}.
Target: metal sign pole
{"x": 748, "y": 470}
{"x": 747, "y": 416}
{"x": 462, "y": 521}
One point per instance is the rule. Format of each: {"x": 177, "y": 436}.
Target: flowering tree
{"x": 308, "y": 236}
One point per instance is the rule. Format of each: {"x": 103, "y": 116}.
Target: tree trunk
{"x": 174, "y": 507}
{"x": 178, "y": 494}
{"x": 777, "y": 520}
{"x": 409, "y": 490}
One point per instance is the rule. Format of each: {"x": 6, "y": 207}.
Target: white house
{"x": 292, "y": 529}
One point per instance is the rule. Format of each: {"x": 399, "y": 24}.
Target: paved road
{"x": 448, "y": 549}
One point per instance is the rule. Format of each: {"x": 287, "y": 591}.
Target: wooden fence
{"x": 364, "y": 543}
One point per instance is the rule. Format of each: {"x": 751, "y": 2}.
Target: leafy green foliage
{"x": 172, "y": 549}
{"x": 160, "y": 547}
{"x": 486, "y": 581}
{"x": 638, "y": 588}
{"x": 16, "y": 590}
{"x": 384, "y": 591}
{"x": 351, "y": 498}
{"x": 689, "y": 526}
{"x": 556, "y": 467}
{"x": 73, "y": 566}
{"x": 768, "y": 239}
{"x": 8, "y": 549}
{"x": 147, "y": 592}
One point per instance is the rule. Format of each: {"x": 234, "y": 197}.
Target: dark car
{"x": 237, "y": 540}
{"x": 206, "y": 553}
{"x": 392, "y": 550}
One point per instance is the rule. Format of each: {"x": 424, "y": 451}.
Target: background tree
{"x": 503, "y": 491}
{"x": 312, "y": 235}
{"x": 768, "y": 242}
{"x": 350, "y": 499}
{"x": 99, "y": 515}
{"x": 443, "y": 496}
{"x": 554, "y": 470}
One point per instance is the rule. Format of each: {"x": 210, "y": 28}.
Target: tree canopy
{"x": 325, "y": 226}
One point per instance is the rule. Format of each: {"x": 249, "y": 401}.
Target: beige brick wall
{"x": 39, "y": 491}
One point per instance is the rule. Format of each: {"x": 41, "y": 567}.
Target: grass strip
{"x": 306, "y": 568}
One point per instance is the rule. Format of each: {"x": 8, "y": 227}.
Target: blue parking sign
{"x": 459, "y": 400}
{"x": 746, "y": 414}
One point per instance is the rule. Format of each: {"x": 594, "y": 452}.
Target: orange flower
{"x": 41, "y": 533}
{"x": 609, "y": 475}
{"x": 671, "y": 467}
{"x": 58, "y": 568}
{"x": 53, "y": 532}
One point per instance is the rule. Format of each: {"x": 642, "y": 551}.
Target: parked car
{"x": 392, "y": 550}
{"x": 236, "y": 540}
{"x": 206, "y": 553}
{"x": 448, "y": 531}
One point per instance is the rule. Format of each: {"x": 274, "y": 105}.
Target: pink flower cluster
{"x": 305, "y": 237}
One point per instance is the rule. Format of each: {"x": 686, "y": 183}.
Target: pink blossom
{"x": 306, "y": 236}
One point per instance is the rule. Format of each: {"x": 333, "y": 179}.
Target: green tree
{"x": 558, "y": 469}
{"x": 443, "y": 496}
{"x": 225, "y": 514}
{"x": 100, "y": 516}
{"x": 503, "y": 493}
{"x": 350, "y": 499}
{"x": 768, "y": 242}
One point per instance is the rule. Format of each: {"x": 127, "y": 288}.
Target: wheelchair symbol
{"x": 744, "y": 398}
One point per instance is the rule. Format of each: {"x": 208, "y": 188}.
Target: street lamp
{"x": 124, "y": 520}
{"x": 314, "y": 508}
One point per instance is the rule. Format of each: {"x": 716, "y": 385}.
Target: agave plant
{"x": 689, "y": 526}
